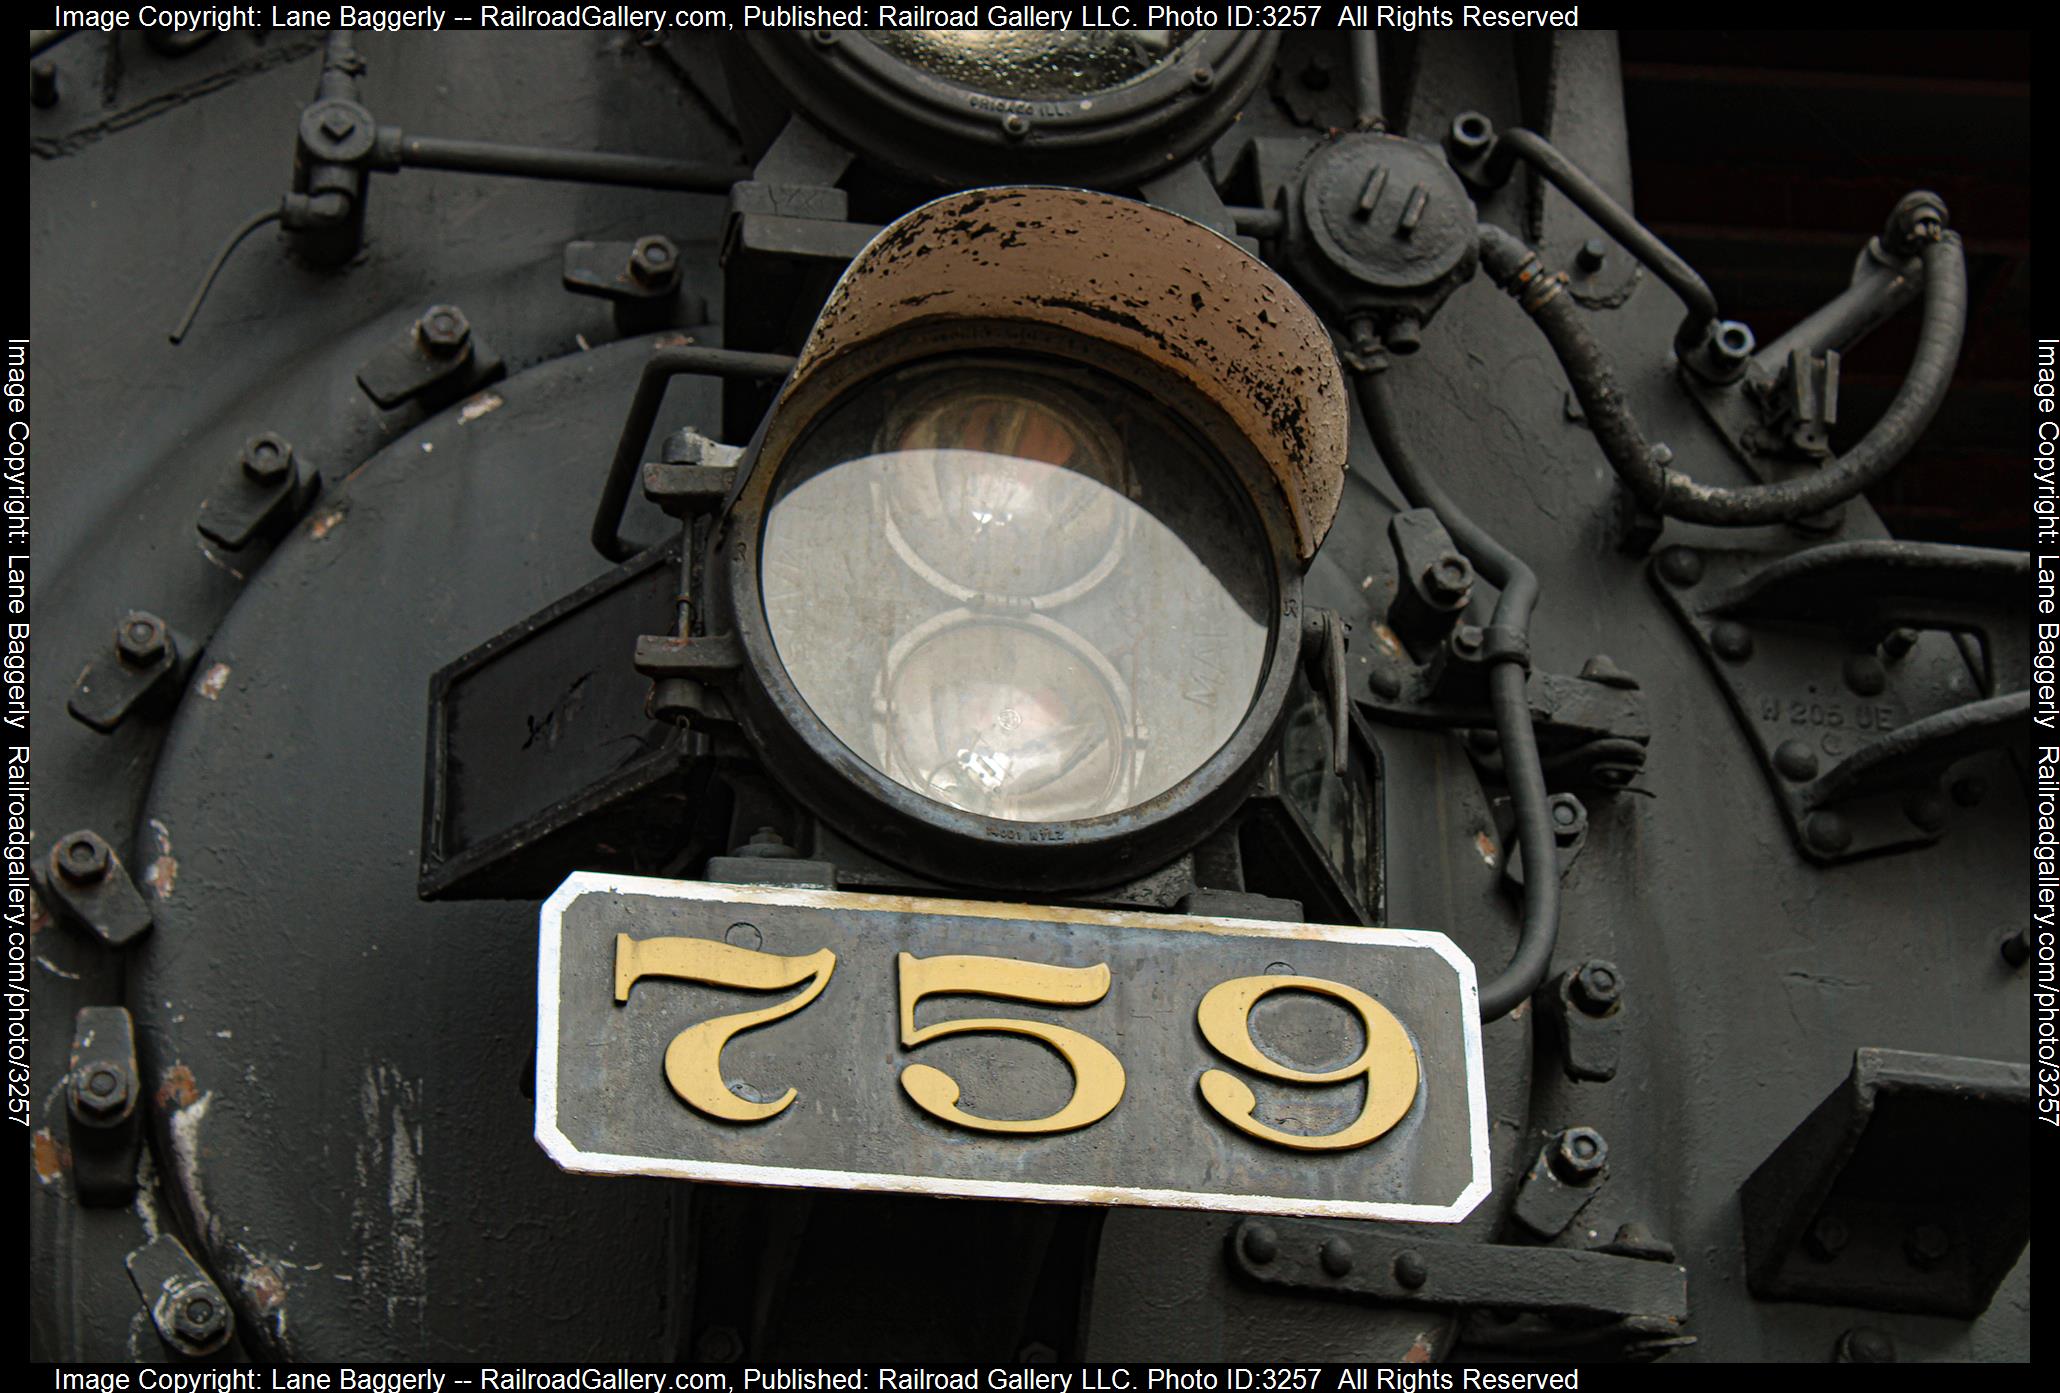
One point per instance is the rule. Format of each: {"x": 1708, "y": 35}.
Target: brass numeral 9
{"x": 1388, "y": 1063}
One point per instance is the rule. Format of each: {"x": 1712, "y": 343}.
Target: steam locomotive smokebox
{"x": 1908, "y": 1189}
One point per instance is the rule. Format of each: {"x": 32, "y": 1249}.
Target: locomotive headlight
{"x": 1015, "y": 565}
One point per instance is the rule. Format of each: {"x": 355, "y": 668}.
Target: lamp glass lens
{"x": 1017, "y": 589}
{"x": 1031, "y": 63}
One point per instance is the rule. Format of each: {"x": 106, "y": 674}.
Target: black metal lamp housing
{"x": 1012, "y": 572}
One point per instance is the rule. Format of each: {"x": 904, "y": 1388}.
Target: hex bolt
{"x": 443, "y": 330}
{"x": 1732, "y": 640}
{"x": 1580, "y": 1155}
{"x": 1261, "y": 1244}
{"x": 1596, "y": 987}
{"x": 1410, "y": 1269}
{"x": 1828, "y": 833}
{"x": 1731, "y": 346}
{"x": 654, "y": 260}
{"x": 103, "y": 1092}
{"x": 1592, "y": 254}
{"x": 1468, "y": 137}
{"x": 1865, "y": 674}
{"x": 1680, "y": 566}
{"x": 140, "y": 638}
{"x": 267, "y": 458}
{"x": 1336, "y": 1256}
{"x": 1927, "y": 1245}
{"x": 1826, "y": 1238}
{"x": 1015, "y": 125}
{"x": 199, "y": 1318}
{"x": 1863, "y": 1344}
{"x": 1926, "y": 811}
{"x": 83, "y": 858}
{"x": 1467, "y": 640}
{"x": 1795, "y": 760}
{"x": 43, "y": 83}
{"x": 1449, "y": 579}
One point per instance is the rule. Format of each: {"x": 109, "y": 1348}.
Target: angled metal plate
{"x": 605, "y": 1104}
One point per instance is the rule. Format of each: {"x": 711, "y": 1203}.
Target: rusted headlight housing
{"x": 1014, "y": 564}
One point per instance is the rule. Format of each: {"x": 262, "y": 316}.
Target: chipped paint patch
{"x": 54, "y": 970}
{"x": 184, "y": 1128}
{"x": 1386, "y": 638}
{"x": 1419, "y": 1350}
{"x": 162, "y": 875}
{"x": 673, "y": 341}
{"x": 1485, "y": 845}
{"x": 39, "y": 917}
{"x": 388, "y": 1218}
{"x": 52, "y": 1157}
{"x": 178, "y": 1089}
{"x": 212, "y": 681}
{"x": 480, "y": 406}
{"x": 323, "y": 525}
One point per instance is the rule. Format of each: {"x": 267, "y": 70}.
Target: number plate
{"x": 773, "y": 1036}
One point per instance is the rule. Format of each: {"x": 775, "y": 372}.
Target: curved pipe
{"x": 1643, "y": 466}
{"x": 1507, "y": 699}
{"x": 1615, "y": 219}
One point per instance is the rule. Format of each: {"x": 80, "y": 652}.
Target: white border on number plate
{"x": 561, "y": 1150}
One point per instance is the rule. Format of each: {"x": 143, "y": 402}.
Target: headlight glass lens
{"x": 1031, "y": 64}
{"x": 1016, "y": 589}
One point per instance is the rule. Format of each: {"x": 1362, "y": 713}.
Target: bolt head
{"x": 1015, "y": 125}
{"x": 1261, "y": 1243}
{"x": 443, "y": 330}
{"x": 1927, "y": 1245}
{"x": 1469, "y": 136}
{"x": 82, "y": 858}
{"x": 199, "y": 1316}
{"x": 1467, "y": 640}
{"x": 1203, "y": 78}
{"x": 1828, "y": 833}
{"x": 1732, "y": 640}
{"x": 1866, "y": 1345}
{"x": 1410, "y": 1269}
{"x": 1580, "y": 1154}
{"x": 140, "y": 638}
{"x": 654, "y": 260}
{"x": 1449, "y": 579}
{"x": 1926, "y": 811}
{"x": 1827, "y": 1238}
{"x": 102, "y": 1091}
{"x": 1865, "y": 674}
{"x": 267, "y": 458}
{"x": 1597, "y": 987}
{"x": 1592, "y": 254}
{"x": 1681, "y": 566}
{"x": 1795, "y": 760}
{"x": 1336, "y": 1255}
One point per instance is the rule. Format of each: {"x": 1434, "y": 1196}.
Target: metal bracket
{"x": 259, "y": 499}
{"x": 641, "y": 278}
{"x": 1570, "y": 1169}
{"x": 1585, "y": 1009}
{"x": 149, "y": 665}
{"x": 1856, "y": 716}
{"x": 438, "y": 360}
{"x": 87, "y": 883}
{"x": 1359, "y": 1260}
{"x": 103, "y": 1106}
{"x": 1907, "y": 1189}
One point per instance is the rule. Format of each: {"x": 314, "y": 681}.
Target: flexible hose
{"x": 1643, "y": 466}
{"x": 1508, "y": 700}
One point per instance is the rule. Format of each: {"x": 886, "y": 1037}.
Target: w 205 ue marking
{"x": 803, "y": 1038}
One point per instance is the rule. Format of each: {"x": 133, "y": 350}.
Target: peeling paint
{"x": 480, "y": 406}
{"x": 184, "y": 1129}
{"x": 162, "y": 875}
{"x": 212, "y": 682}
{"x": 388, "y": 1218}
{"x": 178, "y": 1088}
{"x": 1485, "y": 844}
{"x": 52, "y": 1157}
{"x": 1419, "y": 1349}
{"x": 325, "y": 524}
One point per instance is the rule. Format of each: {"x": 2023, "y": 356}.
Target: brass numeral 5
{"x": 1097, "y": 1073}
